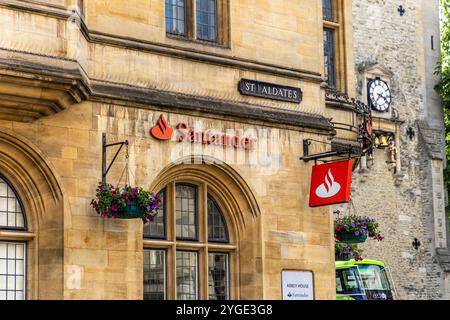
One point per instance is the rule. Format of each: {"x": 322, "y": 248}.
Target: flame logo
{"x": 329, "y": 188}
{"x": 161, "y": 131}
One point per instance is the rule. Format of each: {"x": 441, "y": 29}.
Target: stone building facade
{"x": 71, "y": 71}
{"x": 402, "y": 184}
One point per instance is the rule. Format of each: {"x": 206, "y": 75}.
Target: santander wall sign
{"x": 162, "y": 131}
{"x": 330, "y": 183}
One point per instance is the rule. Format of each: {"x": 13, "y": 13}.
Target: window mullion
{"x": 203, "y": 273}
{"x": 171, "y": 213}
{"x": 171, "y": 235}
{"x": 203, "y": 226}
{"x": 191, "y": 19}
{"x": 203, "y": 212}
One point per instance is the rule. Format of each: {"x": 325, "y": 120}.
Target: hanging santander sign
{"x": 330, "y": 183}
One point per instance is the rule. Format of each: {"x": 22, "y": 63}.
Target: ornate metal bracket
{"x": 362, "y": 128}
{"x": 347, "y": 151}
{"x": 104, "y": 146}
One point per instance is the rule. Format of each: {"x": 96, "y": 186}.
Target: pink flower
{"x": 115, "y": 208}
{"x": 129, "y": 202}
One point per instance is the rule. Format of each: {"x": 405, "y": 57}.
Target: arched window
{"x": 187, "y": 249}
{"x": 12, "y": 253}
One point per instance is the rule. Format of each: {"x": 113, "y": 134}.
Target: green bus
{"x": 363, "y": 280}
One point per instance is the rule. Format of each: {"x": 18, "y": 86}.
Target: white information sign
{"x": 297, "y": 285}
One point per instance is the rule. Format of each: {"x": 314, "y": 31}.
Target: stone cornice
{"x": 143, "y": 97}
{"x": 98, "y": 37}
{"x": 32, "y": 87}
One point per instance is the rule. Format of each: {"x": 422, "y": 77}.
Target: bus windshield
{"x": 347, "y": 282}
{"x": 373, "y": 277}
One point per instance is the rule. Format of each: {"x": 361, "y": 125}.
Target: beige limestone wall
{"x": 103, "y": 258}
{"x": 62, "y": 38}
{"x": 257, "y": 31}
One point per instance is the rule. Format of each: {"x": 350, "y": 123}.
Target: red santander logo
{"x": 330, "y": 183}
{"x": 234, "y": 139}
{"x": 162, "y": 131}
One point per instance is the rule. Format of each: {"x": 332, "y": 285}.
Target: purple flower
{"x": 356, "y": 233}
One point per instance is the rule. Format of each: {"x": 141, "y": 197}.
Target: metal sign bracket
{"x": 104, "y": 147}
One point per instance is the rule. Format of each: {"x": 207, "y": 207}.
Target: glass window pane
{"x": 12, "y": 204}
{"x": 156, "y": 229}
{"x": 175, "y": 16}
{"x": 187, "y": 282}
{"x": 11, "y": 283}
{"x": 2, "y": 282}
{"x": 206, "y": 20}
{"x": 186, "y": 211}
{"x": 11, "y": 266}
{"x": 2, "y": 266}
{"x": 218, "y": 276}
{"x": 217, "y": 231}
{"x": 12, "y": 270}
{"x": 11, "y": 215}
{"x": 19, "y": 267}
{"x": 154, "y": 274}
{"x": 11, "y": 251}
{"x": 328, "y": 10}
{"x": 3, "y": 188}
{"x": 3, "y": 217}
{"x": 329, "y": 57}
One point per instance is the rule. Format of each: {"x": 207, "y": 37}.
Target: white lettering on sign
{"x": 297, "y": 285}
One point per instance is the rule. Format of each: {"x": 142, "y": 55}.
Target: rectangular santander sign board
{"x": 330, "y": 183}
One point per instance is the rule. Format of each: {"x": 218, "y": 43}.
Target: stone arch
{"x": 239, "y": 208}
{"x": 226, "y": 184}
{"x": 31, "y": 175}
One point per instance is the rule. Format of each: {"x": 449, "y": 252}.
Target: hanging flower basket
{"x": 126, "y": 203}
{"x": 356, "y": 229}
{"x": 132, "y": 211}
{"x": 345, "y": 252}
{"x": 351, "y": 237}
{"x": 350, "y": 230}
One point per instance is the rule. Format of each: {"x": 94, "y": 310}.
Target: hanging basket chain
{"x": 127, "y": 166}
{"x": 125, "y": 169}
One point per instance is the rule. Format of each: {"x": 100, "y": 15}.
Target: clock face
{"x": 379, "y": 95}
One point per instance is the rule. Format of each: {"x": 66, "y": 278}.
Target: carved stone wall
{"x": 408, "y": 198}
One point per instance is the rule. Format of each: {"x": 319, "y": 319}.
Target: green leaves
{"x": 443, "y": 69}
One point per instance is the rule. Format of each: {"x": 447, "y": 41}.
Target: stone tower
{"x": 402, "y": 184}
